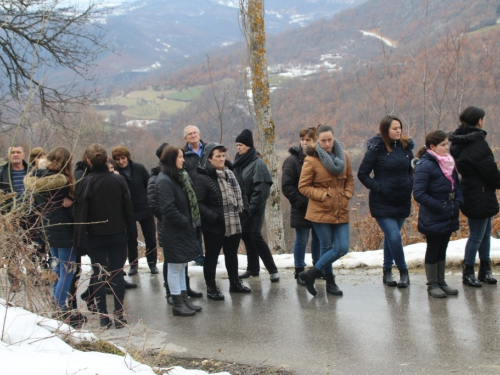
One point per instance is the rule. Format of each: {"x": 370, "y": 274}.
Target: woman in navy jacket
{"x": 436, "y": 187}
{"x": 389, "y": 156}
{"x": 480, "y": 179}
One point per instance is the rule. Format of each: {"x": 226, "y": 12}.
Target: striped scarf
{"x": 232, "y": 201}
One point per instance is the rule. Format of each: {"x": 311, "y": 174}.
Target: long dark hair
{"x": 383, "y": 128}
{"x": 168, "y": 158}
{"x": 470, "y": 116}
{"x": 433, "y": 138}
{"x": 59, "y": 161}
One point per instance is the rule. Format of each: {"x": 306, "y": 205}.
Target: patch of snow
{"x": 380, "y": 37}
{"x": 227, "y": 44}
{"x": 146, "y": 69}
{"x": 299, "y": 19}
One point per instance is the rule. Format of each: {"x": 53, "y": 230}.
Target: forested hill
{"x": 421, "y": 60}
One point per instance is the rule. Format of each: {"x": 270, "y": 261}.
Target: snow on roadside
{"x": 387, "y": 41}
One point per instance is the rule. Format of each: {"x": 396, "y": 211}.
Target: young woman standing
{"x": 388, "y": 156}
{"x": 327, "y": 181}
{"x": 480, "y": 179}
{"x": 436, "y": 187}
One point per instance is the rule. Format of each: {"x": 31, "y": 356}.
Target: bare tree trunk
{"x": 253, "y": 25}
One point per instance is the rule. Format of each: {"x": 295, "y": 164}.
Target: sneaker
{"x": 275, "y": 277}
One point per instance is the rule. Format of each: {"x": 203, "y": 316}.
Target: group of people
{"x": 198, "y": 196}
{"x": 318, "y": 182}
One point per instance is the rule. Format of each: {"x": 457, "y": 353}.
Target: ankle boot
{"x": 484, "y": 273}
{"x": 468, "y": 277}
{"x": 309, "y": 277}
{"x": 297, "y": 277}
{"x": 191, "y": 292}
{"x": 247, "y": 274}
{"x": 404, "y": 278}
{"x": 387, "y": 278}
{"x": 236, "y": 286}
{"x": 214, "y": 293}
{"x": 120, "y": 321}
{"x": 433, "y": 288}
{"x": 179, "y": 308}
{"x": 105, "y": 322}
{"x": 170, "y": 301}
{"x": 185, "y": 298}
{"x": 331, "y": 286}
{"x": 441, "y": 266}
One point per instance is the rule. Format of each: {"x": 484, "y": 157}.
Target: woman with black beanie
{"x": 480, "y": 179}
{"x": 256, "y": 185}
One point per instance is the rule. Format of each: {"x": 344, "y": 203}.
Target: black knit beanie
{"x": 245, "y": 137}
{"x": 160, "y": 149}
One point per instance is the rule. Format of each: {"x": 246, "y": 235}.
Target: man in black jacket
{"x": 193, "y": 151}
{"x": 13, "y": 172}
{"x": 137, "y": 178}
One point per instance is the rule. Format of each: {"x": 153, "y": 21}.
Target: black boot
{"x": 484, "y": 273}
{"x": 105, "y": 322}
{"x": 185, "y": 298}
{"x": 441, "y": 266}
{"x": 179, "y": 308}
{"x": 133, "y": 270}
{"x": 120, "y": 321}
{"x": 309, "y": 277}
{"x": 191, "y": 293}
{"x": 170, "y": 301}
{"x": 331, "y": 286}
{"x": 468, "y": 277}
{"x": 247, "y": 274}
{"x": 431, "y": 271}
{"x": 214, "y": 293}
{"x": 387, "y": 278}
{"x": 236, "y": 286}
{"x": 297, "y": 277}
{"x": 129, "y": 285}
{"x": 404, "y": 279}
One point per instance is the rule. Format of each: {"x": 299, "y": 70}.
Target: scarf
{"x": 232, "y": 201}
{"x": 334, "y": 163}
{"x": 193, "y": 203}
{"x": 447, "y": 165}
{"x": 241, "y": 161}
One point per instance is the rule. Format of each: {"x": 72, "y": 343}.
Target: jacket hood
{"x": 80, "y": 165}
{"x": 43, "y": 180}
{"x": 207, "y": 149}
{"x": 209, "y": 169}
{"x": 469, "y": 134}
{"x": 377, "y": 143}
{"x": 156, "y": 170}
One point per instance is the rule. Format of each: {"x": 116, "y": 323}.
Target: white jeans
{"x": 176, "y": 278}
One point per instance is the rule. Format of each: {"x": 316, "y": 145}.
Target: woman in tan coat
{"x": 327, "y": 181}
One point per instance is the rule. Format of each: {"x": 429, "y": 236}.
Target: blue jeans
{"x": 63, "y": 268}
{"x": 177, "y": 278}
{"x": 479, "y": 241}
{"x": 333, "y": 244}
{"x": 393, "y": 244}
{"x": 299, "y": 247}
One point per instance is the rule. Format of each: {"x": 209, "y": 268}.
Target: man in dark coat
{"x": 137, "y": 178}
{"x": 193, "y": 151}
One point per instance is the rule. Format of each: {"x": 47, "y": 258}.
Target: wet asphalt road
{"x": 372, "y": 329}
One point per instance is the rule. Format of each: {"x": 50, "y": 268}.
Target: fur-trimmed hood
{"x": 467, "y": 135}
{"x": 44, "y": 180}
{"x": 377, "y": 143}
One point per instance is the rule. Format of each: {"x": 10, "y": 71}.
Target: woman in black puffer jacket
{"x": 221, "y": 203}
{"x": 389, "y": 156}
{"x": 436, "y": 187}
{"x": 53, "y": 186}
{"x": 480, "y": 179}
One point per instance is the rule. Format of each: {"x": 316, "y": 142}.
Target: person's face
{"x": 480, "y": 123}
{"x": 442, "y": 149}
{"x": 192, "y": 136}
{"x": 325, "y": 140}
{"x": 306, "y": 141}
{"x": 16, "y": 155}
{"x": 111, "y": 168}
{"x": 242, "y": 149}
{"x": 37, "y": 160}
{"x": 121, "y": 161}
{"x": 218, "y": 159}
{"x": 179, "y": 162}
{"x": 395, "y": 130}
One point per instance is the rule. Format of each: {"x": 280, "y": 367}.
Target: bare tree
{"x": 252, "y": 16}
{"x": 41, "y": 35}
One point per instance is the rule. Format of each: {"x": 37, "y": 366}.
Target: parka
{"x": 439, "y": 203}
{"x": 392, "y": 181}
{"x": 480, "y": 175}
{"x": 138, "y": 184}
{"x": 177, "y": 231}
{"x": 328, "y": 194}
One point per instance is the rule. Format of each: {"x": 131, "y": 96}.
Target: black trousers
{"x": 436, "y": 248}
{"x": 256, "y": 247}
{"x": 110, "y": 250}
{"x": 149, "y": 231}
{"x": 213, "y": 244}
